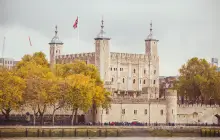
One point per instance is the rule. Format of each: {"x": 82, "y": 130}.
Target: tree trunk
{"x": 94, "y": 113}
{"x": 6, "y": 113}
{"x": 75, "y": 116}
{"x": 53, "y": 117}
{"x": 72, "y": 117}
{"x": 41, "y": 113}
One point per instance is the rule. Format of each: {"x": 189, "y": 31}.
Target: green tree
{"x": 11, "y": 91}
{"x": 198, "y": 80}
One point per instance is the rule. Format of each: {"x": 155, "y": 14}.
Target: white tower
{"x": 102, "y": 62}
{"x": 153, "y": 65}
{"x": 171, "y": 99}
{"x": 55, "y": 48}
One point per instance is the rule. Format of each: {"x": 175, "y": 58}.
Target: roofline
{"x": 151, "y": 40}
{"x": 56, "y": 43}
{"x": 104, "y": 38}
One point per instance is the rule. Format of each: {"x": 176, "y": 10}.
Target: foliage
{"x": 76, "y": 86}
{"x": 11, "y": 91}
{"x": 198, "y": 80}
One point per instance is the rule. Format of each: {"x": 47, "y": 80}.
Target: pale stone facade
{"x": 133, "y": 80}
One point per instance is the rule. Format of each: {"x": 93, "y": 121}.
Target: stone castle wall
{"x": 197, "y": 113}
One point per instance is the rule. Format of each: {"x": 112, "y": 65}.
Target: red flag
{"x": 75, "y": 24}
{"x": 30, "y": 41}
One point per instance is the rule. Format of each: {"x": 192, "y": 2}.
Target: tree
{"x": 79, "y": 94}
{"x": 198, "y": 80}
{"x": 57, "y": 95}
{"x": 38, "y": 58}
{"x": 40, "y": 82}
{"x": 11, "y": 91}
{"x": 100, "y": 96}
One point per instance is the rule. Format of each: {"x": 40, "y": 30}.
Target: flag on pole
{"x": 30, "y": 41}
{"x": 75, "y": 24}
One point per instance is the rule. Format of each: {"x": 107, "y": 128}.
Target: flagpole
{"x": 3, "y": 48}
{"x": 78, "y": 31}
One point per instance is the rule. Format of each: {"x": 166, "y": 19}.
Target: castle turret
{"x": 102, "y": 62}
{"x": 153, "y": 64}
{"x": 56, "y": 46}
{"x": 171, "y": 99}
{"x": 102, "y": 54}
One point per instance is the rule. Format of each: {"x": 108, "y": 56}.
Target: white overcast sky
{"x": 185, "y": 28}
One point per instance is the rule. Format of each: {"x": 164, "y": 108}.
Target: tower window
{"x": 123, "y": 80}
{"x": 144, "y": 81}
{"x": 145, "y": 111}
{"x": 135, "y": 112}
{"x": 134, "y": 70}
{"x": 133, "y": 81}
{"x": 161, "y": 112}
{"x": 123, "y": 111}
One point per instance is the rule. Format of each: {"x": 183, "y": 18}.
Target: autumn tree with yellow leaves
{"x": 75, "y": 86}
{"x": 11, "y": 91}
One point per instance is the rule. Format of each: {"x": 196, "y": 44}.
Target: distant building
{"x": 8, "y": 62}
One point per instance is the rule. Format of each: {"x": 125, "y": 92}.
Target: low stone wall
{"x": 109, "y": 131}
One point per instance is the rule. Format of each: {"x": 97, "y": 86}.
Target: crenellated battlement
{"x": 197, "y": 106}
{"x": 138, "y": 100}
{"x": 79, "y": 55}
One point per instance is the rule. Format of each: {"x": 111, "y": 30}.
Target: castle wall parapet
{"x": 66, "y": 56}
{"x": 197, "y": 106}
{"x": 138, "y": 100}
{"x": 129, "y": 57}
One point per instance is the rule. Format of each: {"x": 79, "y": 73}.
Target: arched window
{"x": 134, "y": 70}
{"x": 123, "y": 80}
{"x": 112, "y": 79}
{"x": 144, "y": 71}
{"x": 133, "y": 81}
{"x": 144, "y": 81}
{"x": 161, "y": 112}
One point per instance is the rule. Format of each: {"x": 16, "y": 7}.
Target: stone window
{"x": 144, "y": 82}
{"x": 111, "y": 69}
{"x": 144, "y": 71}
{"x": 161, "y": 112}
{"x": 145, "y": 111}
{"x": 121, "y": 69}
{"x": 155, "y": 71}
{"x": 154, "y": 81}
{"x": 112, "y": 79}
{"x": 133, "y": 81}
{"x": 123, "y": 111}
{"x": 134, "y": 70}
{"x": 107, "y": 111}
{"x": 135, "y": 112}
{"x": 123, "y": 80}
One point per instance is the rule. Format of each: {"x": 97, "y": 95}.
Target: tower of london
{"x": 133, "y": 80}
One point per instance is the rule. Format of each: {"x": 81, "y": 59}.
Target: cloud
{"x": 184, "y": 28}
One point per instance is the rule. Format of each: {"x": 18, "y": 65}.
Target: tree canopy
{"x": 199, "y": 80}
{"x": 74, "y": 86}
